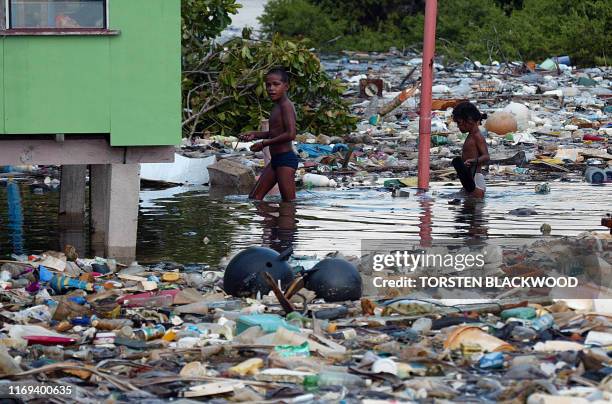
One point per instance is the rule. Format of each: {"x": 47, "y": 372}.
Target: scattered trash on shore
{"x": 303, "y": 330}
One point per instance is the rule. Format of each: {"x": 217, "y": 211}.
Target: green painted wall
{"x": 50, "y": 85}
{"x": 126, "y": 85}
{"x": 1, "y": 87}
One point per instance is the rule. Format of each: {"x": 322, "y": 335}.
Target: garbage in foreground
{"x": 168, "y": 331}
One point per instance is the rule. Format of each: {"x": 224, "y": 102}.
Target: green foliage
{"x": 295, "y": 17}
{"x": 377, "y": 15}
{"x": 485, "y": 30}
{"x": 368, "y": 39}
{"x": 223, "y": 88}
{"x": 203, "y": 20}
{"x": 227, "y": 95}
{"x": 510, "y": 5}
{"x": 579, "y": 28}
{"x": 465, "y": 28}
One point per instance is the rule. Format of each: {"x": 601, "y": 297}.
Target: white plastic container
{"x": 316, "y": 180}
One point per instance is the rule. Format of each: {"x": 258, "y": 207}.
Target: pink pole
{"x": 429, "y": 45}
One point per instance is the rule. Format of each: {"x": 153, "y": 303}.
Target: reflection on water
{"x": 279, "y": 224}
{"x": 471, "y": 219}
{"x": 425, "y": 222}
{"x": 15, "y": 216}
{"x": 28, "y": 217}
{"x": 187, "y": 224}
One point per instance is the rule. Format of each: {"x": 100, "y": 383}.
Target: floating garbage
{"x": 334, "y": 280}
{"x": 317, "y": 332}
{"x": 501, "y": 123}
{"x": 244, "y": 275}
{"x": 313, "y": 333}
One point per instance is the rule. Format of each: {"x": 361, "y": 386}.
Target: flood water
{"x": 188, "y": 224}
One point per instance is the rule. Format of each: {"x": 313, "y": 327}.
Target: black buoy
{"x": 335, "y": 280}
{"x": 243, "y": 276}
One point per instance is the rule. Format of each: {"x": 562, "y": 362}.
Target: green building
{"x": 92, "y": 67}
{"x": 92, "y": 83}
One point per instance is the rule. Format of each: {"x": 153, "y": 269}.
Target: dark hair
{"x": 467, "y": 110}
{"x": 281, "y": 72}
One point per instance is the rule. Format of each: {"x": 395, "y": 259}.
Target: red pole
{"x": 429, "y": 45}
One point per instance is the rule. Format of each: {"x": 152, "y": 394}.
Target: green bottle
{"x": 524, "y": 313}
{"x": 311, "y": 383}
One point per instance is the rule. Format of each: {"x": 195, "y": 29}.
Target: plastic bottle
{"x": 520, "y": 333}
{"x": 83, "y": 320}
{"x": 248, "y": 367}
{"x": 63, "y": 326}
{"x": 19, "y": 283}
{"x": 347, "y": 334}
{"x": 190, "y": 331}
{"x": 8, "y": 365}
{"x": 5, "y": 276}
{"x": 311, "y": 383}
{"x": 62, "y": 284}
{"x": 422, "y": 325}
{"x": 164, "y": 298}
{"x": 371, "y": 111}
{"x": 340, "y": 379}
{"x": 213, "y": 328}
{"x": 493, "y": 360}
{"x": 543, "y": 322}
{"x": 438, "y": 140}
{"x": 385, "y": 365}
{"x": 110, "y": 324}
{"x": 149, "y": 333}
{"x": 524, "y": 313}
{"x": 52, "y": 352}
{"x": 234, "y": 304}
{"x": 125, "y": 332}
{"x": 169, "y": 336}
{"x": 316, "y": 180}
{"x": 83, "y": 354}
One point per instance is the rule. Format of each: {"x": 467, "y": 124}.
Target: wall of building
{"x": 126, "y": 85}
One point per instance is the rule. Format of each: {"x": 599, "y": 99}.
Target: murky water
{"x": 188, "y": 224}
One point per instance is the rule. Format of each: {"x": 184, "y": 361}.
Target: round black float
{"x": 244, "y": 273}
{"x": 335, "y": 280}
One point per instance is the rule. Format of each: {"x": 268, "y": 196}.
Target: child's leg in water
{"x": 264, "y": 184}
{"x": 465, "y": 175}
{"x": 286, "y": 182}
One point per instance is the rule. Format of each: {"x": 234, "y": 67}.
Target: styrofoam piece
{"x": 184, "y": 170}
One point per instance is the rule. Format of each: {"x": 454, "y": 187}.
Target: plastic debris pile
{"x": 169, "y": 331}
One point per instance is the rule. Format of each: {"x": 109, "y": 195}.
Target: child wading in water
{"x": 282, "y": 132}
{"x": 475, "y": 152}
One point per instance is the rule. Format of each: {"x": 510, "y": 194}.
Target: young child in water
{"x": 282, "y": 132}
{"x": 475, "y": 153}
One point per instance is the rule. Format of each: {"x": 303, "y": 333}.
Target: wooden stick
{"x": 286, "y": 304}
{"x": 296, "y": 286}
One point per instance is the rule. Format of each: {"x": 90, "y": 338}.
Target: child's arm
{"x": 248, "y": 136}
{"x": 288, "y": 115}
{"x": 483, "y": 151}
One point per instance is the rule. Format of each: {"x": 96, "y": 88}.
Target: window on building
{"x": 2, "y": 16}
{"x": 56, "y": 14}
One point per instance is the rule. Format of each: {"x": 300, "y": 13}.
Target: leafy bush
{"x": 581, "y": 29}
{"x": 227, "y": 94}
{"x": 202, "y": 20}
{"x": 504, "y": 30}
{"x": 223, "y": 88}
{"x": 295, "y": 17}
